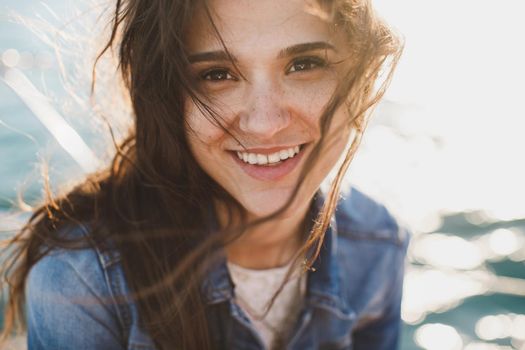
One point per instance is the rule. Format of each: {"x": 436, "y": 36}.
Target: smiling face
{"x": 286, "y": 65}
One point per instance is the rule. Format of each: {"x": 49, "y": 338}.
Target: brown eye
{"x": 305, "y": 64}
{"x": 217, "y": 75}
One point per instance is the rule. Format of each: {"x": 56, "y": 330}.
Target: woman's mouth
{"x": 269, "y": 166}
{"x": 271, "y": 159}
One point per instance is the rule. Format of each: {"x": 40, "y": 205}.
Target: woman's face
{"x": 289, "y": 63}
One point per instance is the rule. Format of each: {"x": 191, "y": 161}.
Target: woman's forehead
{"x": 266, "y": 25}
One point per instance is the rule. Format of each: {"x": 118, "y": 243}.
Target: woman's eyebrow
{"x": 221, "y": 55}
{"x": 305, "y": 47}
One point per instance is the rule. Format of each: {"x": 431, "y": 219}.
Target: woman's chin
{"x": 272, "y": 205}
{"x": 259, "y": 213}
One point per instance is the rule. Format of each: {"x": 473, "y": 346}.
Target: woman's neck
{"x": 270, "y": 244}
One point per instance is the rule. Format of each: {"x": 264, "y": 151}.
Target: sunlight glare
{"x": 428, "y": 290}
{"x": 459, "y": 85}
{"x": 10, "y": 58}
{"x": 504, "y": 242}
{"x": 493, "y": 327}
{"x": 447, "y": 251}
{"x": 64, "y": 134}
{"x": 436, "y": 336}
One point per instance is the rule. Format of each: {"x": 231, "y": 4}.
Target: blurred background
{"x": 444, "y": 150}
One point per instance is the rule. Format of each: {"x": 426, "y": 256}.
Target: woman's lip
{"x": 270, "y": 172}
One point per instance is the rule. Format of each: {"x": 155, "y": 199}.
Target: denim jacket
{"x": 352, "y": 298}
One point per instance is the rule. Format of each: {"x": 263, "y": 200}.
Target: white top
{"x": 254, "y": 290}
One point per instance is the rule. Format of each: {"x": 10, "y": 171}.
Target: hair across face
{"x": 268, "y": 76}
{"x": 208, "y": 79}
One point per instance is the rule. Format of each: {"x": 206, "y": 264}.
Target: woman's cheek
{"x": 311, "y": 97}
{"x": 227, "y": 101}
{"x": 203, "y": 129}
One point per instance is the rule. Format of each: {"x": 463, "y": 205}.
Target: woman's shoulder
{"x": 87, "y": 260}
{"x": 77, "y": 296}
{"x": 371, "y": 249}
{"x": 359, "y": 217}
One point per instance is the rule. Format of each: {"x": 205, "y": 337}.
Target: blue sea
{"x": 465, "y": 285}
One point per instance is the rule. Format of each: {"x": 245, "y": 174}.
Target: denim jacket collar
{"x": 218, "y": 286}
{"x": 323, "y": 284}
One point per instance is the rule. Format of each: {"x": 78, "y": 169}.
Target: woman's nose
{"x": 265, "y": 112}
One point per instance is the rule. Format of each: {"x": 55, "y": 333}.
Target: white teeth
{"x": 283, "y": 154}
{"x": 274, "y": 158}
{"x": 262, "y": 159}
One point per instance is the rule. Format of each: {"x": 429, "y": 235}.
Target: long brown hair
{"x": 153, "y": 199}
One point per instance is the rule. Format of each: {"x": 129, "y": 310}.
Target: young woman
{"x": 209, "y": 229}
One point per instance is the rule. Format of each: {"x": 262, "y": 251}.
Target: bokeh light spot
{"x": 503, "y": 242}
{"x": 447, "y": 251}
{"x": 10, "y": 58}
{"x": 437, "y": 336}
